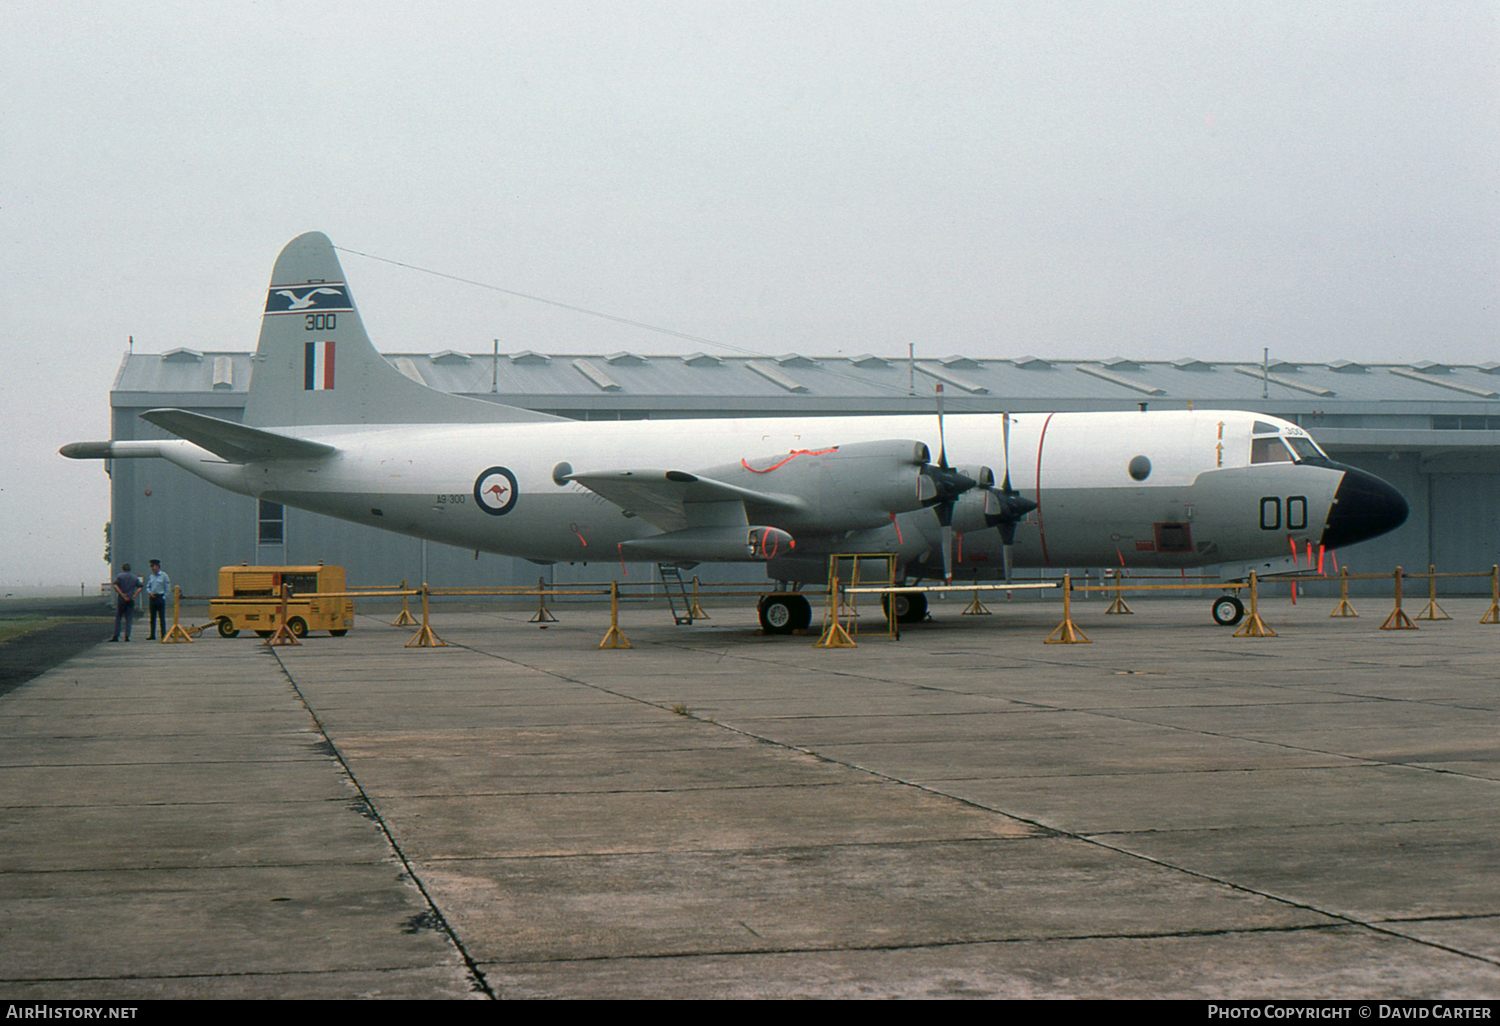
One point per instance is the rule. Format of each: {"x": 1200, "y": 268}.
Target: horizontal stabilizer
{"x": 236, "y": 443}
{"x": 662, "y": 496}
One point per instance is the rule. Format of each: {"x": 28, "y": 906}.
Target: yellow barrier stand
{"x": 542, "y": 616}
{"x": 1067, "y": 632}
{"x": 283, "y": 634}
{"x": 975, "y": 608}
{"x": 892, "y": 630}
{"x": 1118, "y": 606}
{"x": 1493, "y": 616}
{"x": 1254, "y": 626}
{"x": 1398, "y": 621}
{"x": 614, "y": 638}
{"x": 1432, "y": 611}
{"x": 834, "y": 635}
{"x": 426, "y": 637}
{"x": 405, "y": 619}
{"x": 178, "y": 634}
{"x": 695, "y": 610}
{"x": 1343, "y": 608}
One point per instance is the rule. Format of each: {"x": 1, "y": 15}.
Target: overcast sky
{"x": 1144, "y": 179}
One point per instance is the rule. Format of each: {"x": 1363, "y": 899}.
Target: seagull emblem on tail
{"x": 306, "y": 301}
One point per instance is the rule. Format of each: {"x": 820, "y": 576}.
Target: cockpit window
{"x": 1262, "y": 428}
{"x": 1269, "y": 450}
{"x": 1305, "y": 448}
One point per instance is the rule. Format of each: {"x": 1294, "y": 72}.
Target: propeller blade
{"x": 942, "y": 441}
{"x": 948, "y": 552}
{"x": 1007, "y": 543}
{"x": 1005, "y": 443}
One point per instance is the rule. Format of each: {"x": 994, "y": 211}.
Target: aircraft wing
{"x": 663, "y": 497}
{"x": 236, "y": 443}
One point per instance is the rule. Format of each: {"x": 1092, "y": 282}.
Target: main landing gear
{"x": 784, "y": 613}
{"x": 1228, "y": 610}
{"x": 911, "y": 606}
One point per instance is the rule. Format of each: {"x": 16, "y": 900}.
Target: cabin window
{"x": 1269, "y": 450}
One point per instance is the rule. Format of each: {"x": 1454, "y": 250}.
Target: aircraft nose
{"x": 1364, "y": 507}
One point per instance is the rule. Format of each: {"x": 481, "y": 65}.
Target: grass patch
{"x": 12, "y": 628}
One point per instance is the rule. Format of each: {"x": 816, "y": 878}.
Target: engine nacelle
{"x": 846, "y": 487}
{"x": 976, "y": 509}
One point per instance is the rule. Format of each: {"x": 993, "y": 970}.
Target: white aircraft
{"x": 330, "y": 426}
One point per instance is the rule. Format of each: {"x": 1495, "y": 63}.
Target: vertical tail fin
{"x": 314, "y": 363}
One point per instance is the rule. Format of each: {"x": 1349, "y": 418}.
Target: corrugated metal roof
{"x": 989, "y": 382}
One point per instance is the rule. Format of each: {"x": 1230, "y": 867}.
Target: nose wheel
{"x": 1228, "y": 610}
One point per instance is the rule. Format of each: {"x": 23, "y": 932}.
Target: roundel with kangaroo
{"x": 495, "y": 491}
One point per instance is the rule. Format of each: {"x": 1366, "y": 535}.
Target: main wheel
{"x": 1228, "y": 610}
{"x": 783, "y": 614}
{"x": 297, "y": 626}
{"x": 911, "y": 606}
{"x": 227, "y": 629}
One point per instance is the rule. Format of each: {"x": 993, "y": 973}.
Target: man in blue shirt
{"x": 157, "y": 586}
{"x": 127, "y": 586}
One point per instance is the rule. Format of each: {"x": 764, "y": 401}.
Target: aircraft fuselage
{"x": 1199, "y": 500}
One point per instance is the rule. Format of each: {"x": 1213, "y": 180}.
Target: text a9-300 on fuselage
{"x": 330, "y": 426}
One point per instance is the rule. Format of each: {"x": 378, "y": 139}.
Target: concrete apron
{"x": 1167, "y": 812}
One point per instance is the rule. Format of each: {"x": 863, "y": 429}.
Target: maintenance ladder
{"x": 673, "y": 585}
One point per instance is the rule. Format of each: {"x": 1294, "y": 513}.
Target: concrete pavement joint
{"x": 790, "y": 949}
{"x": 1046, "y": 830}
{"x": 1372, "y": 925}
{"x": 737, "y": 730}
{"x": 477, "y": 977}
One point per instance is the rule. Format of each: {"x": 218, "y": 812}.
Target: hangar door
{"x": 1466, "y": 525}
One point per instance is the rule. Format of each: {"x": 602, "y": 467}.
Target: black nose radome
{"x": 1364, "y": 507}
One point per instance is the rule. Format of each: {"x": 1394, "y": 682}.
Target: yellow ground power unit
{"x": 250, "y": 599}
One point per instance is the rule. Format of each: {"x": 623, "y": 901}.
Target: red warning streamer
{"x": 794, "y": 454}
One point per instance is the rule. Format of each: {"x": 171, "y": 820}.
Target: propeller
{"x": 1012, "y": 508}
{"x": 948, "y": 484}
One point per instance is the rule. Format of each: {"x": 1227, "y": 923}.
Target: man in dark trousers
{"x": 157, "y": 586}
{"x": 127, "y": 587}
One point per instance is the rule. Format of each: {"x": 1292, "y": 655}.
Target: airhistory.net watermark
{"x": 38, "y": 1010}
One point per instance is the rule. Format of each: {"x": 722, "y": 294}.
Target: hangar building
{"x": 1432, "y": 430}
